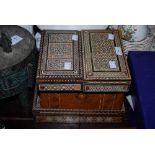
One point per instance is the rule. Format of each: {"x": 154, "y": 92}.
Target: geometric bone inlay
{"x": 60, "y": 56}
{"x": 101, "y": 61}
{"x": 102, "y": 52}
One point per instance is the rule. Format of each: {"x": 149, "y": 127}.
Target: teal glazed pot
{"x": 17, "y": 66}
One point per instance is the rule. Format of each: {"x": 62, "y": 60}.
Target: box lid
{"x": 60, "y": 58}
{"x": 103, "y": 58}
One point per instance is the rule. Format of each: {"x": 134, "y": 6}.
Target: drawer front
{"x": 105, "y": 88}
{"x": 91, "y": 101}
{"x": 60, "y": 87}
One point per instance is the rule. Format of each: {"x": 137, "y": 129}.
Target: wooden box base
{"x": 78, "y": 108}
{"x": 85, "y": 101}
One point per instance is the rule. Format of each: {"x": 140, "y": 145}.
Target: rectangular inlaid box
{"x": 104, "y": 64}
{"x": 60, "y": 59}
{"x": 84, "y": 73}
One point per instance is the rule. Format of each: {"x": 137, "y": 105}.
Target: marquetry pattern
{"x": 98, "y": 51}
{"x": 60, "y": 56}
{"x": 79, "y": 119}
{"x": 102, "y": 51}
{"x": 60, "y": 37}
{"x": 60, "y": 87}
{"x": 105, "y": 88}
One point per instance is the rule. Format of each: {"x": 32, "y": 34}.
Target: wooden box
{"x": 81, "y": 77}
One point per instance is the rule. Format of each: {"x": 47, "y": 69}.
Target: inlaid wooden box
{"x": 82, "y": 77}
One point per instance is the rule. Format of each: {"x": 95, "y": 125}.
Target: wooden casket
{"x": 82, "y": 77}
